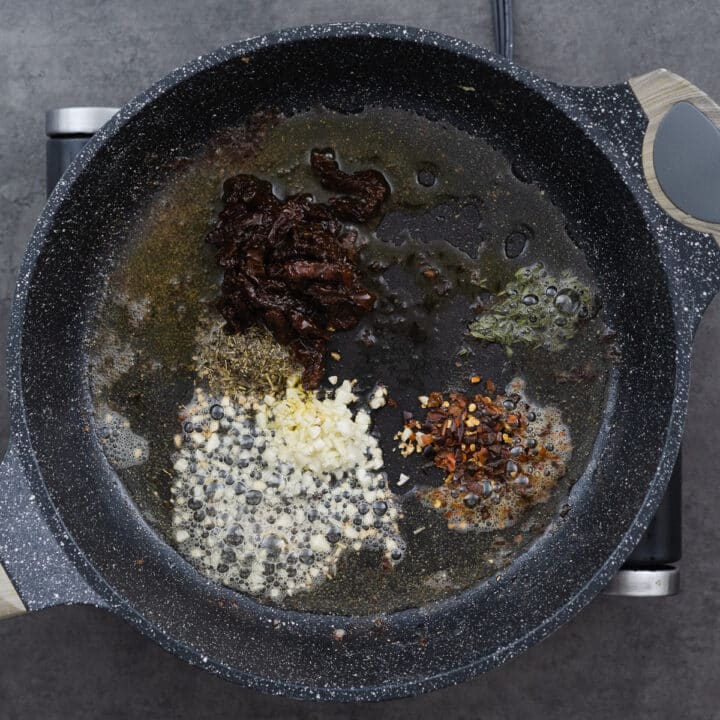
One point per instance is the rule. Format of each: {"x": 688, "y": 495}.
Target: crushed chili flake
{"x": 499, "y": 454}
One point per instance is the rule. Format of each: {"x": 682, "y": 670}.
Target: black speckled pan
{"x": 70, "y": 532}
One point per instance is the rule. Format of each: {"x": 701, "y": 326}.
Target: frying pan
{"x": 634, "y": 169}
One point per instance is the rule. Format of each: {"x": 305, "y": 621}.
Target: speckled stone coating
{"x": 79, "y": 538}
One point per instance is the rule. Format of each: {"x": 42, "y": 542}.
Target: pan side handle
{"x": 36, "y": 570}
{"x": 10, "y": 602}
{"x": 681, "y": 149}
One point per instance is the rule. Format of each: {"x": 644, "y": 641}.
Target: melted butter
{"x": 441, "y": 243}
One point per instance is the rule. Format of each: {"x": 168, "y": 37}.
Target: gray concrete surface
{"x": 618, "y": 658}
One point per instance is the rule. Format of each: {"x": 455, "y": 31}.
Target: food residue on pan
{"x": 273, "y": 327}
{"x": 123, "y": 448}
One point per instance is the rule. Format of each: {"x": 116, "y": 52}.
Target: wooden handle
{"x": 10, "y": 602}
{"x": 658, "y": 92}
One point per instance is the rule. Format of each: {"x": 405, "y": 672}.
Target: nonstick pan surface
{"x": 437, "y": 251}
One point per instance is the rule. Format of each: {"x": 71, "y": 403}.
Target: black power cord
{"x": 503, "y": 27}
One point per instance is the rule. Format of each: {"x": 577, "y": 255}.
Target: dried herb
{"x": 535, "y": 308}
{"x": 235, "y": 365}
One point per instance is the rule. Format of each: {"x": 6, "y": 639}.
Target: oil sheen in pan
{"x": 455, "y": 201}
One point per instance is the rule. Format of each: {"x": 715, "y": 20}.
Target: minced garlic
{"x": 322, "y": 435}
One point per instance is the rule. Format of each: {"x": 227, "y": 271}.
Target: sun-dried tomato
{"x": 291, "y": 264}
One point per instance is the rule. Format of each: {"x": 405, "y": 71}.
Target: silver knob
{"x": 76, "y": 120}
{"x": 661, "y": 582}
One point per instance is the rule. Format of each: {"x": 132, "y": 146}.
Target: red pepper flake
{"x": 482, "y": 445}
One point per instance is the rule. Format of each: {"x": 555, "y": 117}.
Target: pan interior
{"x": 457, "y": 206}
{"x": 87, "y": 232}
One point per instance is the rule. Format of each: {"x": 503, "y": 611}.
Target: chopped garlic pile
{"x": 321, "y": 436}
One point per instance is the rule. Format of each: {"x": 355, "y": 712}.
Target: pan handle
{"x": 35, "y": 569}
{"x": 10, "y": 602}
{"x": 681, "y": 149}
